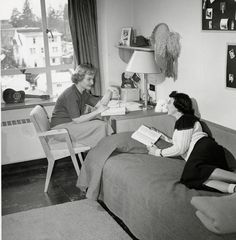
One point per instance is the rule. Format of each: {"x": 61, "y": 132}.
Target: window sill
{"x": 29, "y": 103}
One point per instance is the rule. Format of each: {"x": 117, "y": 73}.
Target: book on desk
{"x": 114, "y": 111}
{"x": 117, "y": 107}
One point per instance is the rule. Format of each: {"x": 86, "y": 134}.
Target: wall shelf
{"x": 125, "y": 52}
{"x": 148, "y": 48}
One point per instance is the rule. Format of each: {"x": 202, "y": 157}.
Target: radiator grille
{"x": 15, "y": 122}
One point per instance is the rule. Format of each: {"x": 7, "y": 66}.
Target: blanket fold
{"x": 218, "y": 214}
{"x": 91, "y": 171}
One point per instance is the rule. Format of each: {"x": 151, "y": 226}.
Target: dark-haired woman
{"x": 70, "y": 109}
{"x": 206, "y": 166}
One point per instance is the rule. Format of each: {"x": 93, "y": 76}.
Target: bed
{"x": 145, "y": 193}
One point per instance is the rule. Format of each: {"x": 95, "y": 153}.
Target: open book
{"x": 146, "y": 135}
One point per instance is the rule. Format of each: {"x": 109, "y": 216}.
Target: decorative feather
{"x": 166, "y": 46}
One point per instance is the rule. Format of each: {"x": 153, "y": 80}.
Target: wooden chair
{"x": 53, "y": 149}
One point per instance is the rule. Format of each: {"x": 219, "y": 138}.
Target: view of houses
{"x": 22, "y": 47}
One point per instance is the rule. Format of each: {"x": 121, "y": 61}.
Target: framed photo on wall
{"x": 126, "y": 35}
{"x": 219, "y": 15}
{"x": 231, "y": 66}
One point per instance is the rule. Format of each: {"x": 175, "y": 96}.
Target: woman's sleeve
{"x": 181, "y": 142}
{"x": 92, "y": 100}
{"x": 165, "y": 138}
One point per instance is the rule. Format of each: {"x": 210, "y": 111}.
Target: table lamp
{"x": 143, "y": 62}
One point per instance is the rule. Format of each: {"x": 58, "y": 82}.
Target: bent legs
{"x": 223, "y": 175}
{"x": 222, "y": 180}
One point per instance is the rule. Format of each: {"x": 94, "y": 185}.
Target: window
{"x": 54, "y": 49}
{"x": 32, "y": 50}
{"x": 36, "y": 40}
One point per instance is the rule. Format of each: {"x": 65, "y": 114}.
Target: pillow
{"x": 218, "y": 214}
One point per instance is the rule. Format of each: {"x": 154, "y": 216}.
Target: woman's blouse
{"x": 71, "y": 104}
{"x": 188, "y": 131}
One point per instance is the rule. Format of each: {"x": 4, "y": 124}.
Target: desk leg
{"x": 113, "y": 125}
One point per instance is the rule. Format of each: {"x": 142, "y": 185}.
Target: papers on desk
{"x": 117, "y": 107}
{"x": 112, "y": 111}
{"x": 130, "y": 106}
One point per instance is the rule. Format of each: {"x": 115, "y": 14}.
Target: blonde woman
{"x": 69, "y": 111}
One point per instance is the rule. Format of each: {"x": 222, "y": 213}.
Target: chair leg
{"x": 80, "y": 159}
{"x": 75, "y": 163}
{"x": 49, "y": 174}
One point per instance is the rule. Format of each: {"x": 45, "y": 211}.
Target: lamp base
{"x": 146, "y": 107}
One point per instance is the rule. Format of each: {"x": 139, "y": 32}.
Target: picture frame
{"x": 126, "y": 35}
{"x": 219, "y": 15}
{"x": 231, "y": 66}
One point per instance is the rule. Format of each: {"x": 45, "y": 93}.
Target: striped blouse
{"x": 188, "y": 131}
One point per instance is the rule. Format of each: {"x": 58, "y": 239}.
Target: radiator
{"x": 19, "y": 141}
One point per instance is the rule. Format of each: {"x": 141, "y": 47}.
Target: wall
{"x": 112, "y": 16}
{"x": 20, "y": 142}
{"x": 202, "y": 61}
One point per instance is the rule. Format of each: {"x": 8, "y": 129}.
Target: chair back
{"x": 40, "y": 119}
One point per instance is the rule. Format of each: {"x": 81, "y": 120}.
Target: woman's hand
{"x": 152, "y": 150}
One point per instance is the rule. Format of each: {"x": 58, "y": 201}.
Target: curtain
{"x": 83, "y": 25}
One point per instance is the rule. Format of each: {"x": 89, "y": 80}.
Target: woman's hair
{"x": 182, "y": 102}
{"x": 80, "y": 72}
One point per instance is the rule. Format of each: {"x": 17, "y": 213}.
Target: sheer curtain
{"x": 83, "y": 26}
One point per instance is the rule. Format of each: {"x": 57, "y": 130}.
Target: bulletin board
{"x": 219, "y": 15}
{"x": 231, "y": 66}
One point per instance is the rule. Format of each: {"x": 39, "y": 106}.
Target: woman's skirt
{"x": 87, "y": 133}
{"x": 205, "y": 157}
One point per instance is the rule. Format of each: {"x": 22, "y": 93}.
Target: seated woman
{"x": 69, "y": 111}
{"x": 206, "y": 166}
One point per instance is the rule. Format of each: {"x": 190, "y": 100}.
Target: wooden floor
{"x": 23, "y": 185}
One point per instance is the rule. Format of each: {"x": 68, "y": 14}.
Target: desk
{"x": 132, "y": 120}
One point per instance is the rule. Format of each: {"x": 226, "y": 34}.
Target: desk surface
{"x": 137, "y": 114}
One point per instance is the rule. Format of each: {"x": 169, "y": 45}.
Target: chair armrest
{"x": 53, "y": 132}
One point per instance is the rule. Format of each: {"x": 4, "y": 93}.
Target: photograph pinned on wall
{"x": 210, "y": 24}
{"x": 222, "y": 7}
{"x": 209, "y": 13}
{"x": 231, "y": 54}
{"x": 126, "y": 34}
{"x": 224, "y": 24}
{"x": 231, "y": 66}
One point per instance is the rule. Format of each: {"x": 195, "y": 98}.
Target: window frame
{"x": 48, "y": 67}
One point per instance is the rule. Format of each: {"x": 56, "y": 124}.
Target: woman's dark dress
{"x": 206, "y": 155}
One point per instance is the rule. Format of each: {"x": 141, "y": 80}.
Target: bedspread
{"x": 91, "y": 171}
{"x": 143, "y": 190}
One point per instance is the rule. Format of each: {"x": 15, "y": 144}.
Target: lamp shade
{"x": 142, "y": 62}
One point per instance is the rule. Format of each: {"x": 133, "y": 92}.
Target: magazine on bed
{"x": 146, "y": 135}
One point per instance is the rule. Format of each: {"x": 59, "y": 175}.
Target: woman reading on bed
{"x": 206, "y": 166}
{"x": 69, "y": 111}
